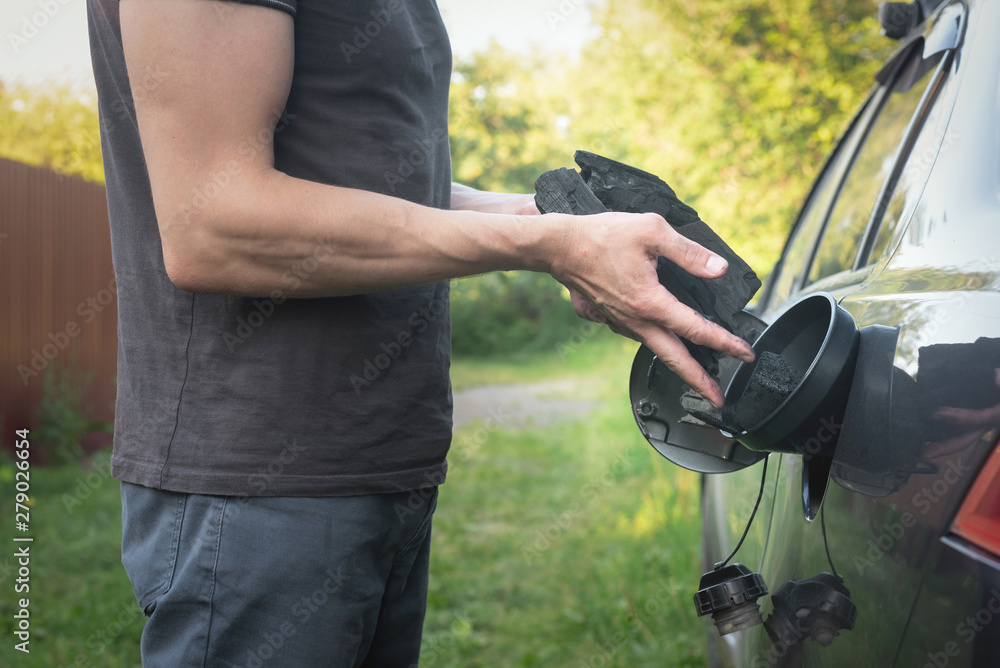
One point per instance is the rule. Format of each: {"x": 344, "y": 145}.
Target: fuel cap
{"x": 730, "y": 595}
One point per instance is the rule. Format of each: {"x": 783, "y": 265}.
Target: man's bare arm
{"x": 464, "y": 198}
{"x": 223, "y": 80}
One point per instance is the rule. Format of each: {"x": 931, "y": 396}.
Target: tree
{"x": 733, "y": 102}
{"x": 51, "y": 127}
{"x": 504, "y": 127}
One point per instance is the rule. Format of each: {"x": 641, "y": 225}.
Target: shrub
{"x": 509, "y": 312}
{"x": 62, "y": 422}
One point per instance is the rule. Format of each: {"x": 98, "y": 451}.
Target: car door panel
{"x": 928, "y": 266}
{"x": 886, "y": 543}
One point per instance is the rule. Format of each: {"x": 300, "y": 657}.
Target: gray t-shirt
{"x": 274, "y": 396}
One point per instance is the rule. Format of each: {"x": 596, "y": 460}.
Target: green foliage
{"x": 51, "y": 127}
{"x": 734, "y": 103}
{"x": 503, "y": 124}
{"x": 62, "y": 422}
{"x": 510, "y": 312}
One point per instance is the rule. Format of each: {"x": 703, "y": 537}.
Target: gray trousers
{"x": 250, "y": 582}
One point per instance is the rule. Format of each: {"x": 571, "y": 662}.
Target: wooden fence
{"x": 58, "y": 303}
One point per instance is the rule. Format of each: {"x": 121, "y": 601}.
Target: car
{"x": 864, "y": 509}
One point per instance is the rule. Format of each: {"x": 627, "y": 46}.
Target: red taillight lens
{"x": 978, "y": 519}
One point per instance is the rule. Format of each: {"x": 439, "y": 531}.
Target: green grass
{"x": 565, "y": 546}
{"x": 83, "y": 612}
{"x": 584, "y": 353}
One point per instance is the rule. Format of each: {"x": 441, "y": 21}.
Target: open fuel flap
{"x": 655, "y": 392}
{"x": 790, "y": 399}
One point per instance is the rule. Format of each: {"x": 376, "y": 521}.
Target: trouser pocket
{"x": 151, "y": 529}
{"x": 430, "y": 500}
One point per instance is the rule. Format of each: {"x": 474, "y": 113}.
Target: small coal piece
{"x": 773, "y": 379}
{"x": 702, "y": 409}
{"x": 714, "y": 418}
{"x": 564, "y": 191}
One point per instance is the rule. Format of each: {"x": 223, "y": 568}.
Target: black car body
{"x": 903, "y": 229}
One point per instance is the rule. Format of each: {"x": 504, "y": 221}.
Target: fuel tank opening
{"x": 788, "y": 398}
{"x": 772, "y": 380}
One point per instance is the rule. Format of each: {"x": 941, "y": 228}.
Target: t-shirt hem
{"x": 263, "y": 485}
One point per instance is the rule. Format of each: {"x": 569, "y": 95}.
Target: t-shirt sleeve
{"x": 284, "y": 5}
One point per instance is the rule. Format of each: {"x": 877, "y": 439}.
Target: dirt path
{"x": 528, "y": 405}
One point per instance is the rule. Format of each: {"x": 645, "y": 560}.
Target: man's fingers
{"x": 671, "y": 351}
{"x": 622, "y": 331}
{"x": 967, "y": 417}
{"x": 691, "y": 256}
{"x": 611, "y": 266}
{"x": 690, "y": 324}
{"x": 662, "y": 324}
{"x": 585, "y": 309}
{"x": 954, "y": 415}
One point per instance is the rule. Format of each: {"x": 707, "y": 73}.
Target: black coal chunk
{"x": 605, "y": 184}
{"x": 621, "y": 187}
{"x": 564, "y": 191}
{"x": 772, "y": 380}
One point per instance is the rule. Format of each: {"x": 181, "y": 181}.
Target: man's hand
{"x": 610, "y": 265}
{"x": 646, "y": 311}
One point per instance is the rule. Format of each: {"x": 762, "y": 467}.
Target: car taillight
{"x": 978, "y": 519}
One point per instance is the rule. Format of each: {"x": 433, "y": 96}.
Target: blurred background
{"x": 562, "y": 538}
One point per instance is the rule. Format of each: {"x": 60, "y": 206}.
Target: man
{"x": 283, "y": 221}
